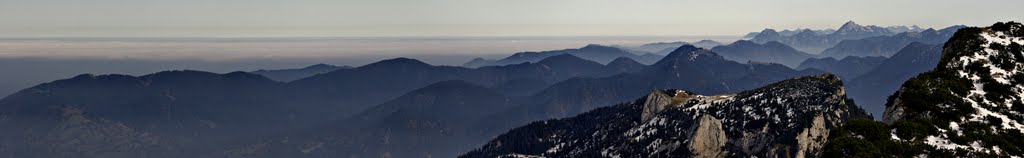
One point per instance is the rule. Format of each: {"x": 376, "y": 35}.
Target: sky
{"x": 369, "y": 18}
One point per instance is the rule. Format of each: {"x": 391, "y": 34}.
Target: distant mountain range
{"x": 663, "y": 48}
{"x": 852, "y": 30}
{"x": 434, "y": 135}
{"x": 751, "y": 35}
{"x": 773, "y": 52}
{"x": 888, "y": 45}
{"x": 848, "y": 68}
{"x": 180, "y": 104}
{"x": 968, "y": 106}
{"x": 902, "y": 29}
{"x": 658, "y": 47}
{"x": 792, "y": 32}
{"x": 288, "y": 75}
{"x": 815, "y": 42}
{"x": 738, "y": 100}
{"x": 598, "y": 53}
{"x": 388, "y": 100}
{"x": 706, "y": 44}
{"x": 699, "y": 70}
{"x": 871, "y": 89}
{"x": 347, "y": 88}
{"x": 400, "y": 90}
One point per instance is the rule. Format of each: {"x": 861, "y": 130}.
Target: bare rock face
{"x": 812, "y": 139}
{"x": 754, "y": 141}
{"x": 709, "y": 138}
{"x": 659, "y": 101}
{"x": 894, "y": 112}
{"x": 655, "y": 103}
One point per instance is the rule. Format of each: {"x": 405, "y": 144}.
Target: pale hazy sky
{"x": 299, "y": 18}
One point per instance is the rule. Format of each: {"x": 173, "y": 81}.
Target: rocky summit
{"x": 791, "y": 118}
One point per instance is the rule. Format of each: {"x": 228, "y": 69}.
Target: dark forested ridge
{"x": 771, "y": 52}
{"x": 190, "y": 112}
{"x": 871, "y": 89}
{"x": 847, "y": 68}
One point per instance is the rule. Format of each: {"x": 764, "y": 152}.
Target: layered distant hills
{"x": 848, "y": 68}
{"x": 826, "y": 49}
{"x": 663, "y": 48}
{"x": 815, "y": 42}
{"x": 201, "y": 109}
{"x": 773, "y": 52}
{"x": 968, "y": 106}
{"x": 888, "y": 45}
{"x": 793, "y": 93}
{"x": 196, "y": 115}
{"x": 288, "y": 75}
{"x": 449, "y": 134}
{"x": 871, "y": 89}
{"x": 599, "y": 53}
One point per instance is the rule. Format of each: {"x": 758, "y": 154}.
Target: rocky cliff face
{"x": 791, "y": 118}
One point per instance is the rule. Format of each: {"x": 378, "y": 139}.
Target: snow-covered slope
{"x": 791, "y": 118}
{"x": 971, "y": 104}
